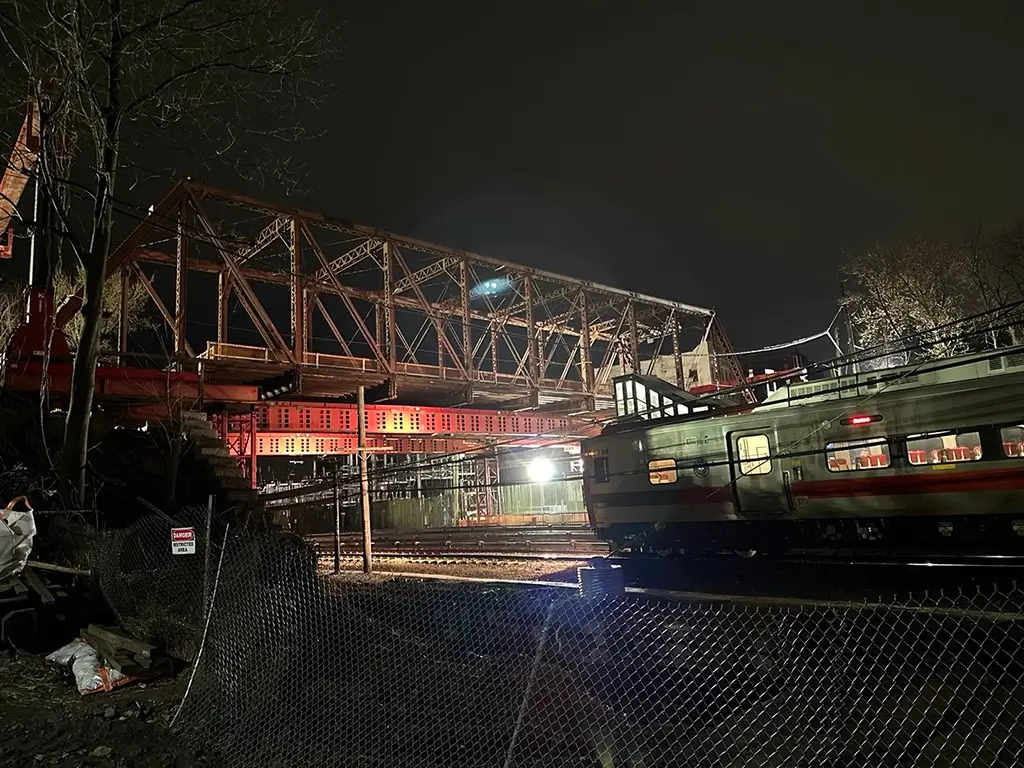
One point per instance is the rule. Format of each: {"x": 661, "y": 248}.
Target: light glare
{"x": 540, "y": 470}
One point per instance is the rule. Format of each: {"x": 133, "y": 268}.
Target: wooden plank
{"x": 119, "y": 661}
{"x": 37, "y": 584}
{"x": 105, "y": 649}
{"x": 118, "y": 641}
{"x": 57, "y": 568}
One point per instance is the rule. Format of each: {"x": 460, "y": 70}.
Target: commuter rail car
{"x": 928, "y": 457}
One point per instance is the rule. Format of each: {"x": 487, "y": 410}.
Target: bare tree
{"x": 12, "y": 309}
{"x": 1001, "y": 274}
{"x": 918, "y": 288}
{"x": 115, "y": 79}
{"x": 909, "y": 288}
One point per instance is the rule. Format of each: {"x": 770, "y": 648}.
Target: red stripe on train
{"x": 955, "y": 480}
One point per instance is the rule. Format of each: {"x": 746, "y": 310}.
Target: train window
{"x": 755, "y": 455}
{"x": 601, "y": 473}
{"x": 662, "y": 471}
{"x": 943, "y": 447}
{"x": 1013, "y": 441}
{"x": 857, "y": 454}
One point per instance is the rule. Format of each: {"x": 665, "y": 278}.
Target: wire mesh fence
{"x": 299, "y": 668}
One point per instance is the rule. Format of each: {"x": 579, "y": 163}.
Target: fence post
{"x": 537, "y": 656}
{"x": 208, "y": 535}
{"x": 364, "y": 485}
{"x": 337, "y": 519}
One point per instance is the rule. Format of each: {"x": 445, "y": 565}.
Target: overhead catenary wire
{"x": 380, "y": 473}
{"x": 481, "y": 451}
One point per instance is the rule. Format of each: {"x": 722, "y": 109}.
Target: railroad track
{"x": 493, "y": 543}
{"x": 457, "y": 558}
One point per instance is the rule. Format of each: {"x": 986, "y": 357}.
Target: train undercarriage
{"x": 962, "y": 535}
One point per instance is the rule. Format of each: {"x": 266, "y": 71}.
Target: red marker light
{"x": 860, "y": 421}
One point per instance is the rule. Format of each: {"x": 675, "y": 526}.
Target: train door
{"x": 756, "y": 471}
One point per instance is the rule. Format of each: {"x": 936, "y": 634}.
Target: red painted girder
{"x": 314, "y": 444}
{"x": 338, "y": 418}
{"x": 305, "y": 444}
{"x": 127, "y": 383}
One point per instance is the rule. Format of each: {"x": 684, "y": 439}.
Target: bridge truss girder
{"x": 370, "y": 307}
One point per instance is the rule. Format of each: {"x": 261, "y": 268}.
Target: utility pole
{"x": 337, "y": 518}
{"x": 364, "y": 485}
{"x": 851, "y": 334}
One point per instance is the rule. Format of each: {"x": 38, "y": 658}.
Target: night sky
{"x": 724, "y": 154}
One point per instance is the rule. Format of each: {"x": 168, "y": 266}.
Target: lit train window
{"x": 662, "y": 471}
{"x": 755, "y": 455}
{"x": 1013, "y": 441}
{"x": 943, "y": 447}
{"x": 857, "y": 454}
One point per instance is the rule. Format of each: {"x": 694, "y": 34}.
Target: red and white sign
{"x": 183, "y": 541}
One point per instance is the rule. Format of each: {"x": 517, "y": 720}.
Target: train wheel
{"x": 664, "y": 551}
{"x": 746, "y": 554}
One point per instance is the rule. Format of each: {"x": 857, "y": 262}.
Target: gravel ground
{"x": 44, "y": 721}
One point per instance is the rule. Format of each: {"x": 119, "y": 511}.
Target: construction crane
{"x": 19, "y": 169}
{"x": 36, "y": 336}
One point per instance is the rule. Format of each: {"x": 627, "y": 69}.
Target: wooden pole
{"x": 364, "y": 485}
{"x": 207, "y": 554}
{"x": 337, "y": 518}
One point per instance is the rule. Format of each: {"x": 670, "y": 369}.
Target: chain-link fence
{"x": 303, "y": 669}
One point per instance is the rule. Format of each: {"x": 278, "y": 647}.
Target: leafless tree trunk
{"x": 178, "y": 72}
{"x": 83, "y": 380}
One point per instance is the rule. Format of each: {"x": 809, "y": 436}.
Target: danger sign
{"x": 183, "y": 541}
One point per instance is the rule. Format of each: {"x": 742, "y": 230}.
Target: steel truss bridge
{"x": 345, "y": 305}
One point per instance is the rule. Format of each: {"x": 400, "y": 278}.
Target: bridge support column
{"x": 677, "y": 355}
{"x": 298, "y": 295}
{"x": 181, "y": 282}
{"x": 479, "y": 487}
{"x": 586, "y": 361}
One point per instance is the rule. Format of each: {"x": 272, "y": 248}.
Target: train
{"x": 921, "y": 458}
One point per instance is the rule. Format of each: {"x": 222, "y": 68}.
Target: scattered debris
{"x": 103, "y": 659}
{"x": 17, "y": 529}
{"x": 27, "y": 587}
{"x": 126, "y": 654}
{"x": 101, "y": 752}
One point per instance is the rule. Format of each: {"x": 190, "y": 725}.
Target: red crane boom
{"x": 16, "y": 175}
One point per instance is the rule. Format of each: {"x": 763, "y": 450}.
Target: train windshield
{"x": 648, "y": 397}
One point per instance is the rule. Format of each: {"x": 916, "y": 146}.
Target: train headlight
{"x": 540, "y": 470}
